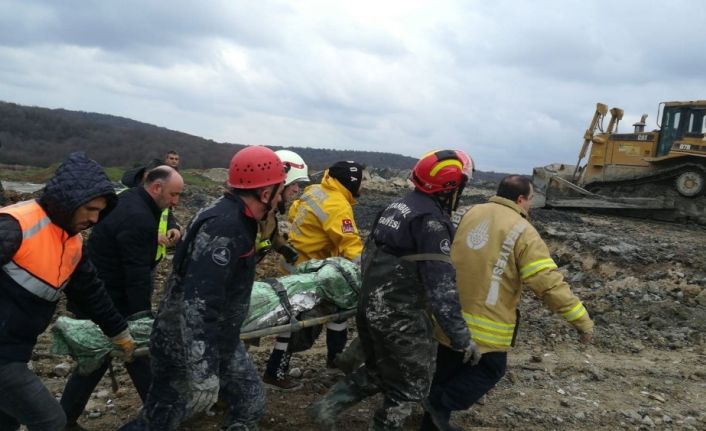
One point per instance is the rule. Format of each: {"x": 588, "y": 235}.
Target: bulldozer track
{"x": 686, "y": 209}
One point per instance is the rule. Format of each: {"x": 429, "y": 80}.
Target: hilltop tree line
{"x": 40, "y": 137}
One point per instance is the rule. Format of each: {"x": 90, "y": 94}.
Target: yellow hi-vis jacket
{"x": 162, "y": 230}
{"x": 323, "y": 224}
{"x": 496, "y": 251}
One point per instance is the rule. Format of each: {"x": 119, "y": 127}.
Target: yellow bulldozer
{"x": 659, "y": 173}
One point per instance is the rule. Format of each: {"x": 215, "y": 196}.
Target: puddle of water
{"x": 21, "y": 187}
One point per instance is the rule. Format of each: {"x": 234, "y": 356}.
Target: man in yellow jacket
{"x": 323, "y": 226}
{"x": 496, "y": 251}
{"x": 322, "y": 218}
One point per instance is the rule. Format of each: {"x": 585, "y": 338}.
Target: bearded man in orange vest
{"x": 41, "y": 256}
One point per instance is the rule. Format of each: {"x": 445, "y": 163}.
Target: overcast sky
{"x": 514, "y": 83}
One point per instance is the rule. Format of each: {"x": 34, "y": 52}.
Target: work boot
{"x": 331, "y": 364}
{"x": 439, "y": 418}
{"x": 284, "y": 384}
{"x": 341, "y": 396}
{"x": 325, "y": 420}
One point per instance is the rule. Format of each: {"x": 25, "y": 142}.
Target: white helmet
{"x": 294, "y": 166}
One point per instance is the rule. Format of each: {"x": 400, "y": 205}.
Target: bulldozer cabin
{"x": 659, "y": 173}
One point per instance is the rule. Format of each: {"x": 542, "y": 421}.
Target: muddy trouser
{"x": 79, "y": 387}
{"x": 399, "y": 363}
{"x": 240, "y": 388}
{"x": 25, "y": 400}
{"x": 457, "y": 386}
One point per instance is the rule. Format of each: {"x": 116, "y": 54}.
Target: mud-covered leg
{"x": 343, "y": 395}
{"x": 405, "y": 369}
{"x": 242, "y": 392}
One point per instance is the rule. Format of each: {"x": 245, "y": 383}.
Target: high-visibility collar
{"x": 47, "y": 257}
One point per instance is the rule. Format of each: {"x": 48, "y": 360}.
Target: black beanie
{"x": 349, "y": 174}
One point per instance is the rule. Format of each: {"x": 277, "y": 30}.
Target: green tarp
{"x": 334, "y": 281}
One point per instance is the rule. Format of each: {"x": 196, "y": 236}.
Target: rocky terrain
{"x": 642, "y": 281}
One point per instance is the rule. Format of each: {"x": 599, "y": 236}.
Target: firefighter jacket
{"x": 323, "y": 224}
{"x": 40, "y": 257}
{"x": 123, "y": 246}
{"x": 407, "y": 272}
{"x": 207, "y": 294}
{"x": 496, "y": 251}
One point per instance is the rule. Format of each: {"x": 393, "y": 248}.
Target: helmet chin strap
{"x": 445, "y": 200}
{"x": 268, "y": 205}
{"x": 449, "y": 200}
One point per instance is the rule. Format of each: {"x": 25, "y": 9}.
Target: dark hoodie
{"x": 133, "y": 177}
{"x": 23, "y": 316}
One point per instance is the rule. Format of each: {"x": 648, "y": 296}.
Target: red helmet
{"x": 440, "y": 171}
{"x": 254, "y": 167}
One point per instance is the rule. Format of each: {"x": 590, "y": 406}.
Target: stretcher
{"x": 276, "y": 306}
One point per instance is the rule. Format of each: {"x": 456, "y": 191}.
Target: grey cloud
{"x": 139, "y": 29}
{"x": 513, "y": 83}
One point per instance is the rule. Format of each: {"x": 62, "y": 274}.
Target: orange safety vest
{"x": 47, "y": 257}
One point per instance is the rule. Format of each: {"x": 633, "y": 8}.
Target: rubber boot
{"x": 340, "y": 397}
{"x": 439, "y": 417}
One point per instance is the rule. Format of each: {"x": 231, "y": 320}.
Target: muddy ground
{"x": 642, "y": 281}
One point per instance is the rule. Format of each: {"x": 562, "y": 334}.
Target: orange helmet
{"x": 441, "y": 171}
{"x": 254, "y": 167}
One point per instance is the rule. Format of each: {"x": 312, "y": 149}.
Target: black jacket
{"x": 208, "y": 292}
{"x": 23, "y": 316}
{"x": 123, "y": 247}
{"x": 414, "y": 227}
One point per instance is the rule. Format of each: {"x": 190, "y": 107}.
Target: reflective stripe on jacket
{"x": 162, "y": 231}
{"x": 44, "y": 244}
{"x": 496, "y": 251}
{"x": 323, "y": 224}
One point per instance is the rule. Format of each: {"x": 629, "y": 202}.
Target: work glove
{"x": 471, "y": 354}
{"x": 289, "y": 253}
{"x": 585, "y": 337}
{"x": 204, "y": 394}
{"x": 126, "y": 344}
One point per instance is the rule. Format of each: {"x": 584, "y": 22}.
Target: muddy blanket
{"x": 329, "y": 283}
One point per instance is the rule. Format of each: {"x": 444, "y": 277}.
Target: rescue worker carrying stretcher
{"x": 269, "y": 238}
{"x": 322, "y": 225}
{"x": 41, "y": 255}
{"x": 496, "y": 252}
{"x": 195, "y": 342}
{"x": 407, "y": 278}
